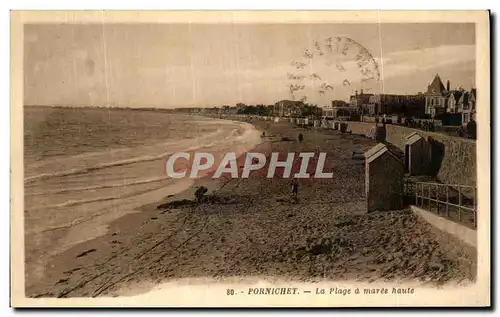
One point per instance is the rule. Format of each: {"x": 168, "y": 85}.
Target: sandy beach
{"x": 251, "y": 228}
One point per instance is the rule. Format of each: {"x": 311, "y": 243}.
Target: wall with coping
{"x": 453, "y": 160}
{"x": 461, "y": 232}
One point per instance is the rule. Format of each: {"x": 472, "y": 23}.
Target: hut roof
{"x": 377, "y": 151}
{"x": 413, "y": 139}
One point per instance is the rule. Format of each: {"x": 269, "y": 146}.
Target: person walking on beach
{"x": 301, "y": 137}
{"x": 200, "y": 192}
{"x": 295, "y": 190}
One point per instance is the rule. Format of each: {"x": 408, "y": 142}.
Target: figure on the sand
{"x": 200, "y": 192}
{"x": 301, "y": 137}
{"x": 295, "y": 190}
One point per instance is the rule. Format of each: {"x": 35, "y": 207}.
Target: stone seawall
{"x": 453, "y": 160}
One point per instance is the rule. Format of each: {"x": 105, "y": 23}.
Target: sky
{"x": 205, "y": 65}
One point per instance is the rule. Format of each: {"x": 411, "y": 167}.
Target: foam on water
{"x": 66, "y": 190}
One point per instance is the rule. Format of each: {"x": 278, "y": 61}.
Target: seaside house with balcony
{"x": 332, "y": 111}
{"x": 409, "y": 105}
{"x": 328, "y": 112}
{"x": 360, "y": 101}
{"x": 459, "y": 105}
{"x": 435, "y": 97}
{"x": 466, "y": 105}
{"x": 288, "y": 108}
{"x": 452, "y": 100}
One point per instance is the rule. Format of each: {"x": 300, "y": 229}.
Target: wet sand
{"x": 251, "y": 228}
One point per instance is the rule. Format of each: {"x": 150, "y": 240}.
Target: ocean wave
{"x": 96, "y": 187}
{"x": 85, "y": 170}
{"x": 125, "y": 151}
{"x": 71, "y": 203}
{"x": 249, "y": 134}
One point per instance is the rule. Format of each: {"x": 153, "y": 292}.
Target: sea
{"x": 85, "y": 163}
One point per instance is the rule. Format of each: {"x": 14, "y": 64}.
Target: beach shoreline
{"x": 251, "y": 229}
{"x": 42, "y": 246}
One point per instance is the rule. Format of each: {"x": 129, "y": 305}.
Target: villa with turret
{"x": 440, "y": 100}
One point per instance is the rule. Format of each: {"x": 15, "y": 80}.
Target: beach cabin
{"x": 316, "y": 123}
{"x": 379, "y": 133}
{"x": 384, "y": 174}
{"x": 343, "y": 127}
{"x": 416, "y": 154}
{"x": 336, "y": 125}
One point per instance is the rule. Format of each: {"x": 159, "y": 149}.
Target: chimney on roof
{"x": 447, "y": 85}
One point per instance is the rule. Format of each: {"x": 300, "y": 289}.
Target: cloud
{"x": 150, "y": 75}
{"x": 270, "y": 83}
{"x": 406, "y": 62}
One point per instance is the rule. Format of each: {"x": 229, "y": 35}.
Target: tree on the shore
{"x": 258, "y": 110}
{"x": 309, "y": 110}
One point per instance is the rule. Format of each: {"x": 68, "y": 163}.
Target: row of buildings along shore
{"x": 439, "y": 102}
{"x": 451, "y": 106}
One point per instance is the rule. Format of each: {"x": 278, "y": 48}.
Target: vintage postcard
{"x": 250, "y": 158}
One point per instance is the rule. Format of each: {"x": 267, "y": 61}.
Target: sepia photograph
{"x": 250, "y": 159}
